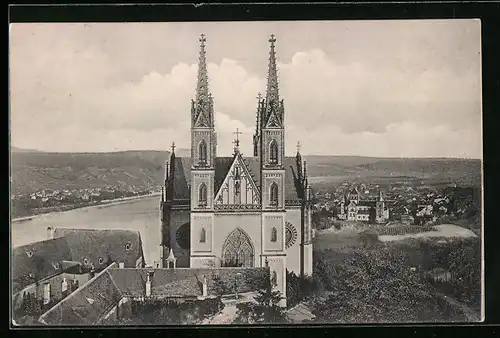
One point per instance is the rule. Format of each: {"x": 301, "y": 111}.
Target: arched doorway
{"x": 237, "y": 250}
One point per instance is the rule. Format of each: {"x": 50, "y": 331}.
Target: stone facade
{"x": 238, "y": 211}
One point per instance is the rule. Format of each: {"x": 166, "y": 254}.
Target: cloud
{"x": 74, "y": 98}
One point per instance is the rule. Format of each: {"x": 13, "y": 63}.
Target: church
{"x": 237, "y": 211}
{"x": 353, "y": 208}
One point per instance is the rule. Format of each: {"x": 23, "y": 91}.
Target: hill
{"x": 466, "y": 172}
{"x": 36, "y": 170}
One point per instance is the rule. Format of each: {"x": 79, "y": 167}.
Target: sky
{"x": 367, "y": 88}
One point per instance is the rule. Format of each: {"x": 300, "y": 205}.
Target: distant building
{"x": 424, "y": 210}
{"x": 407, "y": 219}
{"x": 353, "y": 208}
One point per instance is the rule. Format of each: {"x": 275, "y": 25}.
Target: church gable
{"x": 238, "y": 189}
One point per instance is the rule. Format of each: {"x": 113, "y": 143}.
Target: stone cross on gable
{"x": 272, "y": 40}
{"x": 173, "y": 147}
{"x": 237, "y": 141}
{"x": 202, "y": 38}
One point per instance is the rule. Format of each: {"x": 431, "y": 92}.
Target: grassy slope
{"x": 34, "y": 170}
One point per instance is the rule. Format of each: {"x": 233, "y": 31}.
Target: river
{"x": 140, "y": 214}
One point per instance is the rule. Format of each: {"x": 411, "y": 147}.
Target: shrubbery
{"x": 265, "y": 309}
{"x": 164, "y": 312}
{"x": 376, "y": 285}
{"x": 299, "y": 289}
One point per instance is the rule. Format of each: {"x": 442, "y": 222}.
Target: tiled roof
{"x": 222, "y": 166}
{"x": 71, "y": 247}
{"x": 182, "y": 175}
{"x": 366, "y": 203}
{"x": 94, "y": 244}
{"x": 184, "y": 282}
{"x": 87, "y": 304}
{"x": 40, "y": 259}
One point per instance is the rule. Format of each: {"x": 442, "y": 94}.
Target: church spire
{"x": 274, "y": 107}
{"x": 202, "y": 93}
{"x": 258, "y": 122}
{"x": 272, "y": 74}
{"x": 202, "y": 106}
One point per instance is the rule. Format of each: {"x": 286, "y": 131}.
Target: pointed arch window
{"x": 202, "y": 152}
{"x": 274, "y": 279}
{"x": 273, "y": 152}
{"x": 273, "y": 200}
{"x": 237, "y": 193}
{"x": 237, "y": 250}
{"x": 274, "y": 234}
{"x": 202, "y": 195}
{"x": 203, "y": 235}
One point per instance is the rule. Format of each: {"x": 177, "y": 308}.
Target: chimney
{"x": 50, "y": 233}
{"x": 121, "y": 265}
{"x": 205, "y": 287}
{"x": 148, "y": 284}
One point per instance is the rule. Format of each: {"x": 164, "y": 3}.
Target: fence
{"x": 402, "y": 230}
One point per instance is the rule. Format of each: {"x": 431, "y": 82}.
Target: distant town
{"x": 48, "y": 200}
{"x": 397, "y": 203}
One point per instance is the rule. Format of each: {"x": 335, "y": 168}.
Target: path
{"x": 470, "y": 314}
{"x": 228, "y": 314}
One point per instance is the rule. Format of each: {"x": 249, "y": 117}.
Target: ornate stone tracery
{"x": 238, "y": 250}
{"x": 290, "y": 235}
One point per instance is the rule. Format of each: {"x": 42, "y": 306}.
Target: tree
{"x": 375, "y": 285}
{"x": 265, "y": 309}
{"x": 220, "y": 286}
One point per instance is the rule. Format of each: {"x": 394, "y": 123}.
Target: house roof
{"x": 88, "y": 304}
{"x": 366, "y": 203}
{"x": 110, "y": 245}
{"x": 71, "y": 247}
{"x": 40, "y": 260}
{"x": 182, "y": 175}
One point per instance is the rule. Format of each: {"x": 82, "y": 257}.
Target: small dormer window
{"x": 101, "y": 260}
{"x": 128, "y": 246}
{"x": 29, "y": 253}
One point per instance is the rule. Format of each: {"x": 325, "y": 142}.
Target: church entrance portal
{"x": 237, "y": 250}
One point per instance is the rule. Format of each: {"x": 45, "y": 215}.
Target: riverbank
{"x": 104, "y": 203}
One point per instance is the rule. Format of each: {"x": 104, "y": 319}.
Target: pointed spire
{"x": 272, "y": 75}
{"x": 257, "y": 123}
{"x": 171, "y": 255}
{"x": 202, "y": 106}
{"x": 202, "y": 93}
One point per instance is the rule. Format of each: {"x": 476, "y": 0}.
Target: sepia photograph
{"x": 252, "y": 172}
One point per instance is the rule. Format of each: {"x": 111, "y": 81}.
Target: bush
{"x": 299, "y": 289}
{"x": 376, "y": 285}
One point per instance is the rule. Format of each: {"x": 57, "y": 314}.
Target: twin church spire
{"x": 270, "y": 110}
